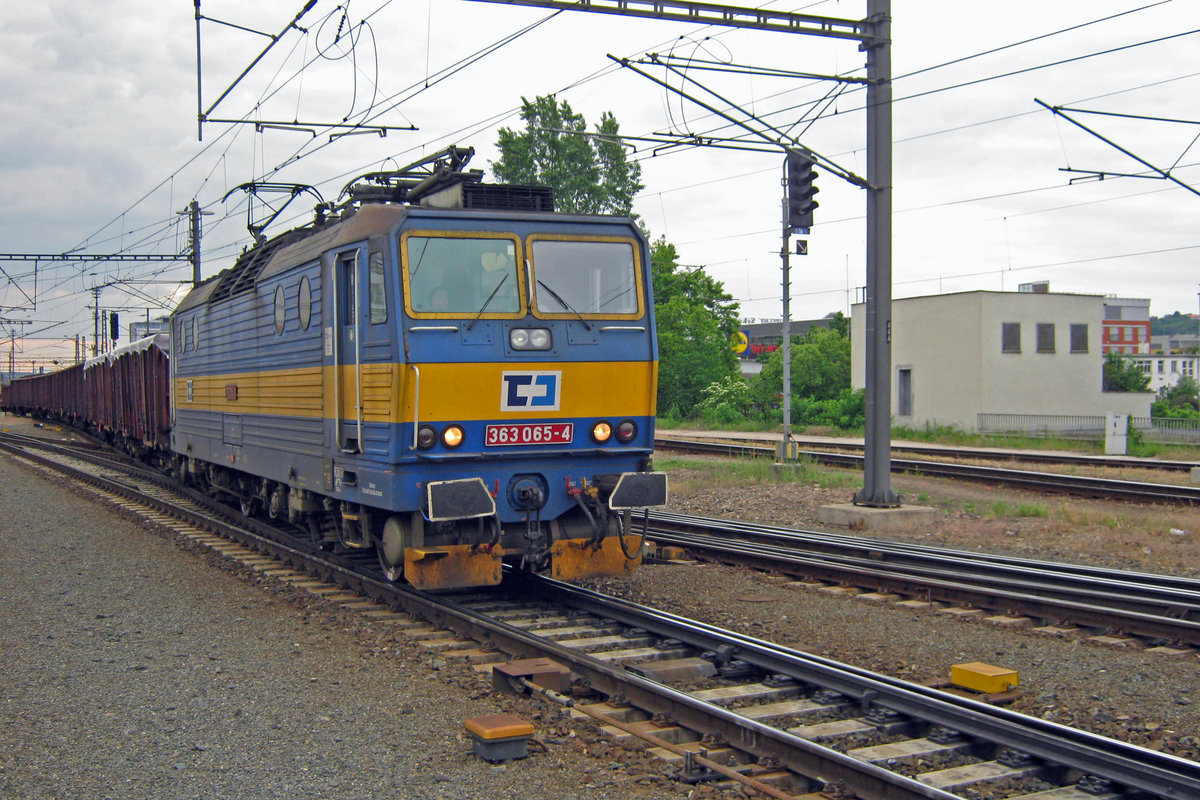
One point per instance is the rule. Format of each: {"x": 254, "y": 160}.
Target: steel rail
{"x": 806, "y": 758}
{"x": 817, "y": 541}
{"x": 941, "y": 451}
{"x": 1127, "y": 765}
{"x": 1076, "y": 485}
{"x": 1034, "y": 596}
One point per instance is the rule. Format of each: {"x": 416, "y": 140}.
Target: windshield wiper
{"x": 485, "y": 302}
{"x": 564, "y": 304}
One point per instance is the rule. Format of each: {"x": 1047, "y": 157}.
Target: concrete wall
{"x": 952, "y": 344}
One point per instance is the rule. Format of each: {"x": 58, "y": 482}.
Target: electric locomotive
{"x": 445, "y": 371}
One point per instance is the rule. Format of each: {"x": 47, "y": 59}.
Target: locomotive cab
{"x": 454, "y": 387}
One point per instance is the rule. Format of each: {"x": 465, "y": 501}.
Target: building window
{"x": 1160, "y": 366}
{"x": 1010, "y": 337}
{"x": 1045, "y": 337}
{"x": 904, "y": 392}
{"x": 1079, "y": 334}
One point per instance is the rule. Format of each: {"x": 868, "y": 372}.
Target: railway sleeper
{"x": 984, "y": 773}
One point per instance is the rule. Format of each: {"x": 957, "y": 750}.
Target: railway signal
{"x": 800, "y": 190}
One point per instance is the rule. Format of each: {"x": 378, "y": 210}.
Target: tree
{"x": 696, "y": 317}
{"x": 1180, "y": 400}
{"x": 820, "y": 366}
{"x": 1172, "y": 324}
{"x": 589, "y": 174}
{"x": 821, "y": 393}
{"x": 1121, "y": 374}
{"x": 696, "y": 320}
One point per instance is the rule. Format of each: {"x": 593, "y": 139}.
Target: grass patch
{"x": 751, "y": 471}
{"x": 1002, "y": 509}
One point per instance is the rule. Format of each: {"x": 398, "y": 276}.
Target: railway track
{"x": 726, "y": 706}
{"x": 1059, "y": 483}
{"x": 1160, "y": 610}
{"x": 971, "y": 453}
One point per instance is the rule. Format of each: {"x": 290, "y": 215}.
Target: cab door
{"x": 346, "y": 340}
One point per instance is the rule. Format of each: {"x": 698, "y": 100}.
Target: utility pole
{"x": 194, "y": 213}
{"x": 874, "y": 36}
{"x": 877, "y": 459}
{"x": 785, "y": 449}
{"x": 96, "y": 320}
{"x": 12, "y": 343}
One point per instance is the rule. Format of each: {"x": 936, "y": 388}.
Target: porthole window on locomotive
{"x": 280, "y": 310}
{"x": 304, "y": 301}
{"x": 195, "y": 334}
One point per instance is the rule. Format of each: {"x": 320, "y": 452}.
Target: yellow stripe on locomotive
{"x": 444, "y": 392}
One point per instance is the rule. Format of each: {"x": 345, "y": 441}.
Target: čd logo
{"x": 530, "y": 391}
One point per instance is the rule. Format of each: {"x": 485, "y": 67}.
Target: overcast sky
{"x": 99, "y": 150}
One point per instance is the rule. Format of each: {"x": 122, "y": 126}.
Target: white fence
{"x": 1153, "y": 429}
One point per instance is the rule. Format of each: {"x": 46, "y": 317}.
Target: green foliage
{"x": 1122, "y": 374}
{"x": 820, "y": 367}
{"x": 1181, "y": 401}
{"x": 725, "y": 402}
{"x": 1172, "y": 324}
{"x": 589, "y": 174}
{"x": 696, "y": 319}
{"x": 821, "y": 393}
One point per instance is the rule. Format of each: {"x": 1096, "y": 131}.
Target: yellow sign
{"x": 739, "y": 342}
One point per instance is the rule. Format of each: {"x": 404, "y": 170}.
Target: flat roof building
{"x": 956, "y": 356}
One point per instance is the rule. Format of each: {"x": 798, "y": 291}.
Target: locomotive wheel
{"x": 390, "y": 544}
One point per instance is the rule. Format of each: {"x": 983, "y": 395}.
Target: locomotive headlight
{"x": 602, "y": 431}
{"x": 626, "y": 430}
{"x": 452, "y": 436}
{"x": 529, "y": 339}
{"x": 426, "y": 437}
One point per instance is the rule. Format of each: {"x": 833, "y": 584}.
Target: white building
{"x": 955, "y": 356}
{"x": 1165, "y": 370}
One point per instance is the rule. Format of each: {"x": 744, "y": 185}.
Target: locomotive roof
{"x": 372, "y": 219}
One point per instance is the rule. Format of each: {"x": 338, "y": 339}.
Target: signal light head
{"x": 626, "y": 430}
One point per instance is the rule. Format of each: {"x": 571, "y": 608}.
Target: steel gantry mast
{"x": 874, "y": 36}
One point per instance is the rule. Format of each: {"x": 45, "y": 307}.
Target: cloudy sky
{"x": 99, "y": 148}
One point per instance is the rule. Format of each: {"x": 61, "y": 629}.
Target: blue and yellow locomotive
{"x": 442, "y": 370}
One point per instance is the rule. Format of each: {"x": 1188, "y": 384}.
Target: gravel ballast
{"x": 138, "y": 667}
{"x": 1127, "y": 693}
{"x": 135, "y": 669}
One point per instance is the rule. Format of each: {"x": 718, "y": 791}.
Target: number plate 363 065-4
{"x": 529, "y": 433}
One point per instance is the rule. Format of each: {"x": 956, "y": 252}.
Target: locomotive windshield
{"x": 462, "y": 275}
{"x": 586, "y": 278}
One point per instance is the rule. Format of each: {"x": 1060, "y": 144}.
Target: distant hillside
{"x": 1173, "y": 323}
